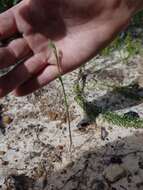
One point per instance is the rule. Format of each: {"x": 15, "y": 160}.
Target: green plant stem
{"x": 53, "y": 47}
{"x": 67, "y": 110}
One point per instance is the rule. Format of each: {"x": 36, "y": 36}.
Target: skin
{"x": 79, "y": 30}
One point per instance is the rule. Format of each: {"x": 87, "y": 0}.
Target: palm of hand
{"x": 78, "y": 29}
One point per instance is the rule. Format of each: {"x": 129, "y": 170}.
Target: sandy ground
{"x": 34, "y": 137}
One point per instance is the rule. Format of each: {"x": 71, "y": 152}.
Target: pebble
{"x": 83, "y": 124}
{"x": 98, "y": 185}
{"x": 132, "y": 114}
{"x": 60, "y": 147}
{"x": 116, "y": 160}
{"x": 2, "y": 153}
{"x": 104, "y": 133}
{"x": 131, "y": 164}
{"x": 114, "y": 173}
{"x": 7, "y": 119}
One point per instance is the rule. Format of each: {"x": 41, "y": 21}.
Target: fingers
{"x": 7, "y": 24}
{"x": 21, "y": 73}
{"x": 46, "y": 76}
{"x": 15, "y": 51}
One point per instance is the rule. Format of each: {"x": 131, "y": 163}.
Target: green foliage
{"x": 122, "y": 121}
{"x": 132, "y": 46}
{"x": 92, "y": 111}
{"x": 127, "y": 41}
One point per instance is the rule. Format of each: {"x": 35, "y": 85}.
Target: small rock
{"x": 83, "y": 124}
{"x": 2, "y": 153}
{"x": 2, "y": 129}
{"x": 98, "y": 185}
{"x": 132, "y": 114}
{"x": 5, "y": 163}
{"x": 104, "y": 133}
{"x": 114, "y": 173}
{"x": 6, "y": 119}
{"x": 116, "y": 160}
{"x": 130, "y": 163}
{"x": 20, "y": 182}
{"x": 60, "y": 147}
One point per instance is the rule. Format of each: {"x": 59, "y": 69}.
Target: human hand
{"x": 79, "y": 29}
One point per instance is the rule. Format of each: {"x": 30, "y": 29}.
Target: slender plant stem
{"x": 53, "y": 47}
